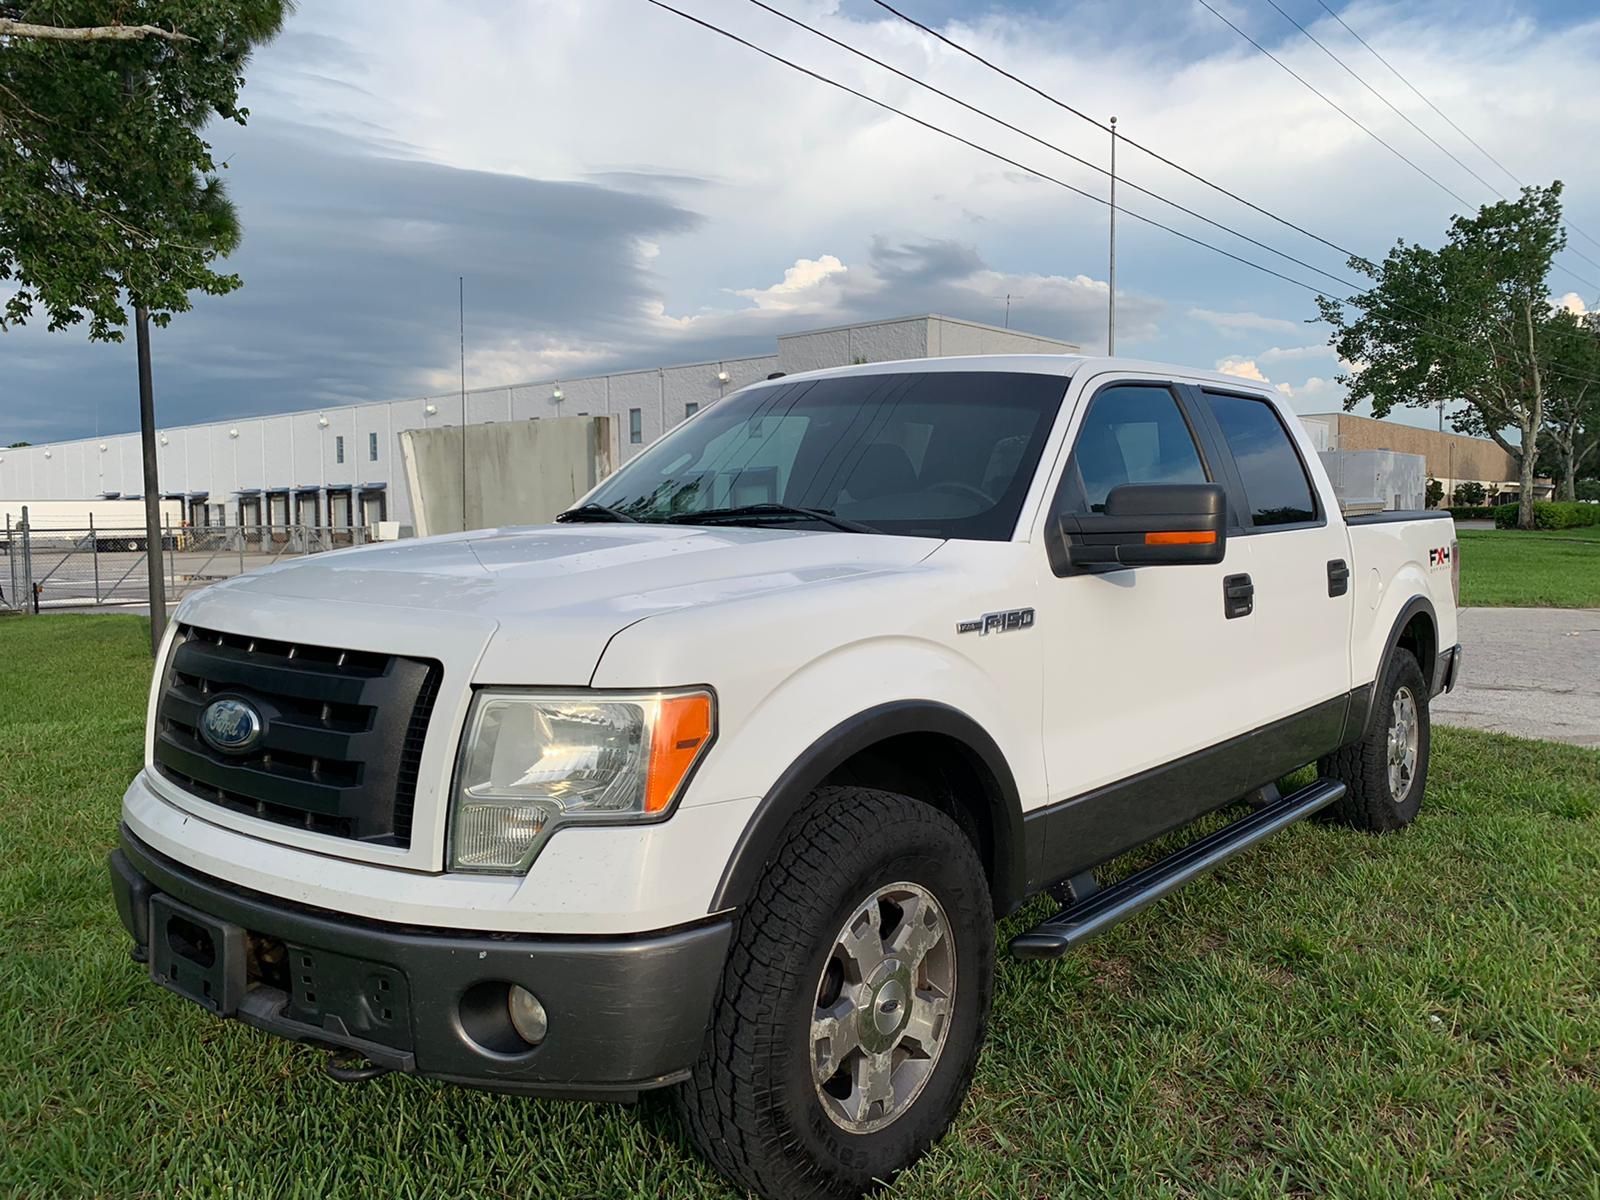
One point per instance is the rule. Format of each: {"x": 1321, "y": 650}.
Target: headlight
{"x": 531, "y": 762}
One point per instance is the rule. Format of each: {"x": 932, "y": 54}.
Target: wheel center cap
{"x": 890, "y": 1008}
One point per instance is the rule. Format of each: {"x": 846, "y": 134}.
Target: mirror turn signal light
{"x": 1196, "y": 537}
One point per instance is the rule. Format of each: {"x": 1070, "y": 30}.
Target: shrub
{"x": 1435, "y": 493}
{"x": 1550, "y": 515}
{"x": 1471, "y": 493}
{"x": 1480, "y": 512}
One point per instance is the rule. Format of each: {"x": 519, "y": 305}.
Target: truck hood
{"x": 555, "y": 595}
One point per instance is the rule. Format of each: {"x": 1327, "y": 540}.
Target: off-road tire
{"x": 751, "y": 1105}
{"x": 1363, "y": 766}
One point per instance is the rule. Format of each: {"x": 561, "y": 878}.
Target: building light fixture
{"x": 556, "y": 395}
{"x": 431, "y": 410}
{"x": 104, "y": 447}
{"x": 322, "y": 422}
{"x": 164, "y": 441}
{"x": 233, "y": 433}
{"x": 722, "y": 377}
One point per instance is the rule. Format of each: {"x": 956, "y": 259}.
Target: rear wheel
{"x": 1386, "y": 772}
{"x": 853, "y": 1004}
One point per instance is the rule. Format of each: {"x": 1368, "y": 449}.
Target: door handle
{"x": 1238, "y": 596}
{"x": 1338, "y": 577}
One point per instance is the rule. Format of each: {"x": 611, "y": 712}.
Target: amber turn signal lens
{"x": 682, "y": 730}
{"x": 1196, "y": 537}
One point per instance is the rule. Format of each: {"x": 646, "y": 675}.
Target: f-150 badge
{"x": 998, "y": 622}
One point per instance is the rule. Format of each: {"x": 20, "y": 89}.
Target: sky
{"x": 621, "y": 188}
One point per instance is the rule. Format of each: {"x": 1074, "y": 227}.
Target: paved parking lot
{"x": 1534, "y": 672}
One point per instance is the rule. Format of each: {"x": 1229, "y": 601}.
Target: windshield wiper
{"x": 753, "y": 513}
{"x": 595, "y": 512}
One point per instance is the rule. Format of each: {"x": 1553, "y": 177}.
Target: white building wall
{"x": 284, "y": 452}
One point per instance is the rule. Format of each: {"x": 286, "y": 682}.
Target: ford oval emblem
{"x": 231, "y": 725}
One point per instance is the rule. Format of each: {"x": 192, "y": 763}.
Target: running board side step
{"x": 1101, "y": 909}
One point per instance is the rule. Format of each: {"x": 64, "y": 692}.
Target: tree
{"x": 18, "y": 445}
{"x": 1471, "y": 493}
{"x": 1464, "y": 324}
{"x": 1574, "y": 397}
{"x": 1435, "y": 493}
{"x": 109, "y": 197}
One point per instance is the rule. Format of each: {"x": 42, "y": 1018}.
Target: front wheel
{"x": 853, "y": 1004}
{"x": 1386, "y": 772}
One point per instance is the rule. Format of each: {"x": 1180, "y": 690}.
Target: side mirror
{"x": 1146, "y": 525}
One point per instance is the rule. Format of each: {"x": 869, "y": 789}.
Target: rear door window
{"x": 1277, "y": 489}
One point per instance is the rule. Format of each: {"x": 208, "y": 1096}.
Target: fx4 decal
{"x": 998, "y": 622}
{"x": 1439, "y": 557}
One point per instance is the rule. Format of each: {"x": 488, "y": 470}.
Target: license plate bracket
{"x": 197, "y": 956}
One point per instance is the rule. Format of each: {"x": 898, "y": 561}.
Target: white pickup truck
{"x": 721, "y": 783}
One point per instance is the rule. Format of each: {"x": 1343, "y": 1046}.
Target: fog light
{"x": 527, "y": 1015}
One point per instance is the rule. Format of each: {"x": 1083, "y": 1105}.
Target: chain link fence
{"x": 78, "y": 568}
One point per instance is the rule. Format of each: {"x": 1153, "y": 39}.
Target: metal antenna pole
{"x": 1111, "y": 275}
{"x": 1008, "y": 310}
{"x": 461, "y": 317}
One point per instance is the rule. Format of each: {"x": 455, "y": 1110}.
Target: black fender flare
{"x": 1361, "y": 696}
{"x": 759, "y": 842}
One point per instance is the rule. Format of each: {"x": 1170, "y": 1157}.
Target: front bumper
{"x": 626, "y": 1014}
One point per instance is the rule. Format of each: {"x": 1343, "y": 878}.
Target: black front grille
{"x": 341, "y": 740}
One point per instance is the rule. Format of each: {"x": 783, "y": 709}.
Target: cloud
{"x": 902, "y": 277}
{"x": 1573, "y": 303}
{"x": 1244, "y": 368}
{"x": 1277, "y": 354}
{"x": 1240, "y": 322}
{"x": 1316, "y": 394}
{"x": 801, "y": 288}
{"x": 640, "y": 195}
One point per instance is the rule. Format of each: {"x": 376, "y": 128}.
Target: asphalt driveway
{"x": 1534, "y": 672}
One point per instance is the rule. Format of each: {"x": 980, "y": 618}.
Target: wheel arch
{"x": 1415, "y": 628}
{"x": 909, "y": 746}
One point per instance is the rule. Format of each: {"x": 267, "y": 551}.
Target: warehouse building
{"x": 1451, "y": 458}
{"x": 341, "y": 466}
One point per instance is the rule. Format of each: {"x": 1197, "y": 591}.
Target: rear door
{"x": 1297, "y": 554}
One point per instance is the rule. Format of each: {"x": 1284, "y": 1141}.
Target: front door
{"x": 1143, "y": 666}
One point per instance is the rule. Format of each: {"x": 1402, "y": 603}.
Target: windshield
{"x": 943, "y": 454}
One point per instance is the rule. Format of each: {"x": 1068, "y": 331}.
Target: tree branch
{"x": 88, "y": 33}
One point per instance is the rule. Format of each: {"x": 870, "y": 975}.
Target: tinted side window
{"x": 1276, "y": 486}
{"x": 1131, "y": 434}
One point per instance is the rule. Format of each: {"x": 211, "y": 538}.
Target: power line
{"x": 1122, "y": 137}
{"x": 995, "y": 154}
{"x": 1344, "y": 66}
{"x": 1093, "y": 166}
{"x": 1395, "y": 71}
{"x": 1305, "y": 83}
{"x": 1083, "y": 116}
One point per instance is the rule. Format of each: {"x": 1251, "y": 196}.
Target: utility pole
{"x": 1111, "y": 274}
{"x": 461, "y": 317}
{"x": 152, "y": 484}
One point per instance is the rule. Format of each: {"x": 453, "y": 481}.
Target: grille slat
{"x": 342, "y": 737}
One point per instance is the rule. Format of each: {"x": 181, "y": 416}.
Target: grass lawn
{"x": 1555, "y": 569}
{"x": 1331, "y": 1014}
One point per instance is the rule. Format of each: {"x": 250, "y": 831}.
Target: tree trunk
{"x": 1532, "y": 423}
{"x": 1569, "y": 474}
{"x": 1526, "y": 464}
{"x": 152, "y": 484}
